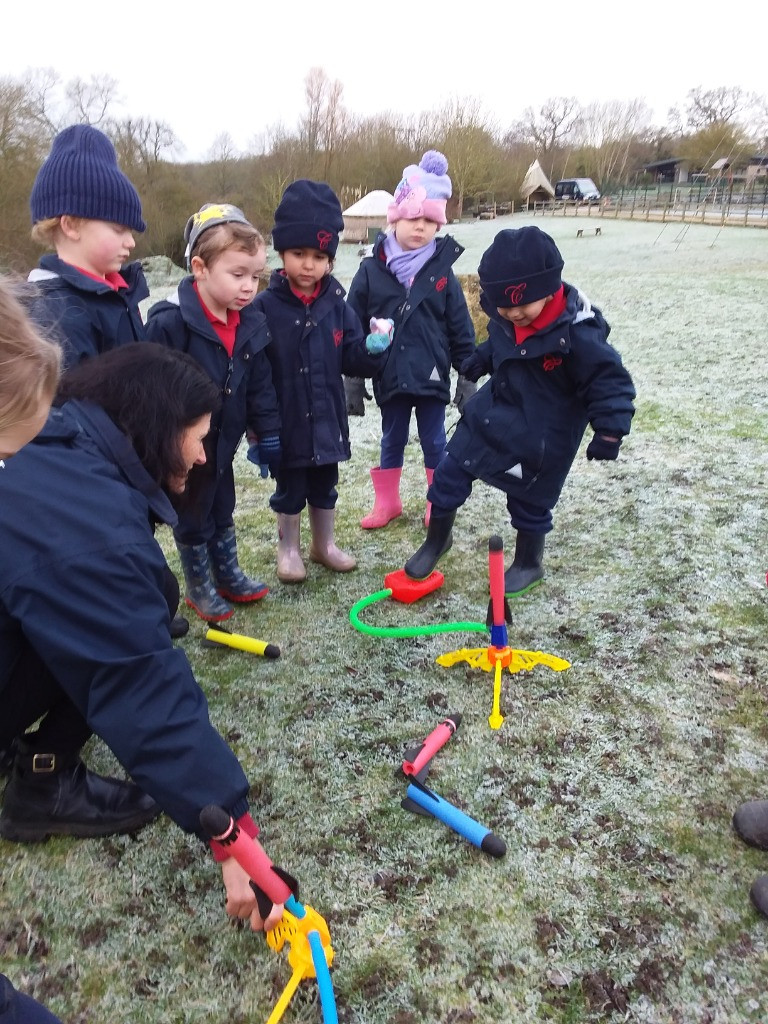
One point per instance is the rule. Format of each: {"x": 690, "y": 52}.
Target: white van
{"x": 582, "y": 190}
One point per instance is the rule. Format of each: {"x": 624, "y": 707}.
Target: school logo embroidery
{"x": 338, "y": 337}
{"x": 549, "y": 363}
{"x": 324, "y": 239}
{"x": 515, "y": 293}
{"x": 441, "y": 284}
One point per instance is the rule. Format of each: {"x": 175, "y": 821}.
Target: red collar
{"x": 233, "y": 315}
{"x": 306, "y": 299}
{"x": 553, "y": 309}
{"x": 113, "y": 279}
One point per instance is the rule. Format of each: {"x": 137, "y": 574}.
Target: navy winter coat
{"x": 244, "y": 378}
{"x": 82, "y": 583}
{"x": 433, "y": 328}
{"x": 520, "y": 432}
{"x": 311, "y": 347}
{"x": 87, "y": 316}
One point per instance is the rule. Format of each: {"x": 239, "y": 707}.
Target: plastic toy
{"x": 219, "y": 637}
{"x": 310, "y": 953}
{"x": 421, "y": 800}
{"x": 499, "y": 655}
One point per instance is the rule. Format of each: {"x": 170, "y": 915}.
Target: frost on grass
{"x": 623, "y": 895}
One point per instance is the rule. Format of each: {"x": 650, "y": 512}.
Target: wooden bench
{"x": 580, "y": 232}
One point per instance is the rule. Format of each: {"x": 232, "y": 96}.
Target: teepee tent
{"x": 368, "y": 212}
{"x": 536, "y": 187}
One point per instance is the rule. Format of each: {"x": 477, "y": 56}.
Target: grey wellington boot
{"x": 230, "y": 580}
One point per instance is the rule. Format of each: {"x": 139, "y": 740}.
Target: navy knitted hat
{"x": 80, "y": 177}
{"x": 521, "y": 265}
{"x": 308, "y": 217}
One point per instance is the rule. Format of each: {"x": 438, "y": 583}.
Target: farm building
{"x": 367, "y": 214}
{"x": 536, "y": 187}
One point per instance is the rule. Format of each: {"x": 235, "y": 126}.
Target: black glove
{"x": 355, "y": 393}
{"x": 603, "y": 448}
{"x": 472, "y": 368}
{"x": 464, "y": 391}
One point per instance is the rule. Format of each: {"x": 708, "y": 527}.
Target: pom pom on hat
{"x": 209, "y": 216}
{"x": 521, "y": 265}
{"x": 423, "y": 190}
{"x": 80, "y": 178}
{"x": 308, "y": 217}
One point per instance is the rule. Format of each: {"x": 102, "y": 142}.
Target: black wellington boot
{"x": 759, "y": 895}
{"x": 526, "y": 569}
{"x": 750, "y": 823}
{"x": 46, "y": 797}
{"x": 439, "y": 540}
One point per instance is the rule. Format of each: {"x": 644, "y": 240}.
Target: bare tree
{"x": 607, "y": 131}
{"x": 223, "y": 156}
{"x": 323, "y": 126}
{"x": 550, "y": 126}
{"x": 468, "y": 142}
{"x": 715, "y": 106}
{"x": 89, "y": 102}
{"x": 141, "y": 142}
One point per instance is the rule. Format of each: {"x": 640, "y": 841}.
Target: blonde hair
{"x": 230, "y": 235}
{"x": 30, "y": 365}
{"x": 44, "y": 232}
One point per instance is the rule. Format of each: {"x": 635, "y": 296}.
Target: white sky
{"x": 240, "y": 67}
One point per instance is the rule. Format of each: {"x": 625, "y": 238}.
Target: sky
{"x": 242, "y": 70}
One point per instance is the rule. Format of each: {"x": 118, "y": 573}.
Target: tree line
{"x": 607, "y": 141}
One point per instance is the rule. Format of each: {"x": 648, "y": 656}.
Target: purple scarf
{"x": 406, "y": 263}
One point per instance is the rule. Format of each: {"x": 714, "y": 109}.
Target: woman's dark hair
{"x": 151, "y": 393}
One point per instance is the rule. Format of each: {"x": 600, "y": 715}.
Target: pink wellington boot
{"x": 387, "y": 505}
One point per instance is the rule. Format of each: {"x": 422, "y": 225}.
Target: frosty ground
{"x": 623, "y": 895}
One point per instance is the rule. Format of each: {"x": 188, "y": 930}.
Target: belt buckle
{"x": 43, "y": 764}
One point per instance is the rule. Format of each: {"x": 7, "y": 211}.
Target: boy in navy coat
{"x": 84, "y": 207}
{"x": 316, "y": 337}
{"x": 553, "y": 372}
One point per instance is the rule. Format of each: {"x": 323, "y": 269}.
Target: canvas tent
{"x": 536, "y": 187}
{"x": 368, "y": 212}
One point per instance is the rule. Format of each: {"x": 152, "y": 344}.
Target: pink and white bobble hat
{"x": 423, "y": 190}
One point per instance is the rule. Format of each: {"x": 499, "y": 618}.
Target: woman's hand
{"x": 241, "y": 899}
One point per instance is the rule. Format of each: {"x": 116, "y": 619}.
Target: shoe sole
{"x": 22, "y": 832}
{"x": 240, "y": 599}
{"x": 519, "y": 593}
{"x": 208, "y": 618}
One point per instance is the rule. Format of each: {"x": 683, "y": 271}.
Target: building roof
{"x": 372, "y": 205}
{"x": 535, "y": 178}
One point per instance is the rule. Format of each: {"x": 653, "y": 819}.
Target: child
{"x": 552, "y": 372}
{"x": 212, "y": 317}
{"x": 409, "y": 279}
{"x": 316, "y": 337}
{"x": 85, "y": 208}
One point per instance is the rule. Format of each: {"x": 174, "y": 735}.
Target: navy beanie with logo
{"x": 308, "y": 217}
{"x": 521, "y": 265}
{"x": 80, "y": 177}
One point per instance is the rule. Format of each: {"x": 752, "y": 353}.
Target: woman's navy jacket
{"x": 82, "y": 583}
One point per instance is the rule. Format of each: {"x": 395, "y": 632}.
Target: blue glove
{"x": 266, "y": 453}
{"x": 380, "y": 338}
{"x": 603, "y": 448}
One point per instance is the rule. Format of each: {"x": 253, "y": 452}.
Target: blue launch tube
{"x": 460, "y": 822}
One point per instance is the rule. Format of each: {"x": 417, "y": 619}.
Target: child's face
{"x": 98, "y": 246}
{"x": 305, "y": 267}
{"x": 413, "y": 234}
{"x": 523, "y": 316}
{"x": 230, "y": 281}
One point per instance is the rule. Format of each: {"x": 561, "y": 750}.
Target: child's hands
{"x": 241, "y": 899}
{"x": 380, "y": 338}
{"x": 266, "y": 453}
{"x": 603, "y": 448}
{"x": 472, "y": 368}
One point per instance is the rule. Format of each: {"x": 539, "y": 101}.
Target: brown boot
{"x": 323, "y": 549}
{"x": 290, "y": 568}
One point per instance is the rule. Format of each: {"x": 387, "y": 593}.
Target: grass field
{"x": 623, "y": 895}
